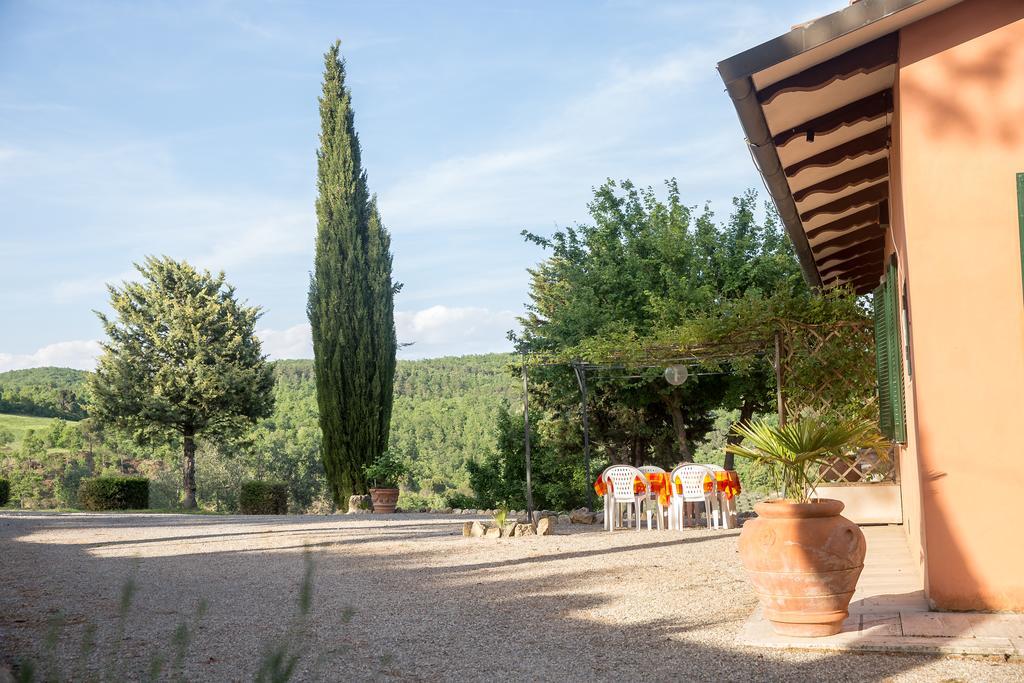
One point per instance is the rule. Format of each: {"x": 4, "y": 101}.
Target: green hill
{"x": 444, "y": 416}
{"x": 44, "y": 392}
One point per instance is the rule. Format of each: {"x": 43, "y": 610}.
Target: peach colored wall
{"x": 960, "y": 120}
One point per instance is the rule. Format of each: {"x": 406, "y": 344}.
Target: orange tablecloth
{"x": 659, "y": 485}
{"x": 726, "y": 482}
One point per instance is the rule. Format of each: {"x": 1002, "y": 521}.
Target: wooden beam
{"x": 854, "y": 220}
{"x": 861, "y": 285}
{"x": 865, "y": 59}
{"x": 869, "y": 195}
{"x": 870, "y": 143}
{"x": 875, "y": 170}
{"x": 873, "y": 243}
{"x": 864, "y": 109}
{"x": 848, "y": 239}
{"x": 873, "y": 257}
{"x": 870, "y": 268}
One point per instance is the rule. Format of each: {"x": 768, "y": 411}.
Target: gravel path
{"x": 403, "y": 598}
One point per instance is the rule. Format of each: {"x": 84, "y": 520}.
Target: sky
{"x": 189, "y": 129}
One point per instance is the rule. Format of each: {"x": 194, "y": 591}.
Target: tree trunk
{"x": 746, "y": 412}
{"x": 188, "y": 470}
{"x": 679, "y": 424}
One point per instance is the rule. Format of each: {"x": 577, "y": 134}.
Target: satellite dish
{"x": 676, "y": 374}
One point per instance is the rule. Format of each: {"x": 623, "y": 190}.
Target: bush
{"x": 263, "y": 498}
{"x": 5, "y": 492}
{"x": 114, "y": 493}
{"x": 456, "y": 499}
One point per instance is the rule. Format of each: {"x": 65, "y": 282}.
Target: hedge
{"x": 5, "y": 492}
{"x": 114, "y": 493}
{"x": 263, "y": 498}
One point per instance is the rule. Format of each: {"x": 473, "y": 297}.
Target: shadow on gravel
{"x": 383, "y": 609}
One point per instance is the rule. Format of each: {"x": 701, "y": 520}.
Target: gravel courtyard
{"x": 401, "y": 598}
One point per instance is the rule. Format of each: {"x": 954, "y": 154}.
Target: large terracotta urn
{"x": 384, "y": 500}
{"x": 804, "y": 560}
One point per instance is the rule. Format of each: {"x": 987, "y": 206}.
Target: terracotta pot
{"x": 804, "y": 560}
{"x": 384, "y": 500}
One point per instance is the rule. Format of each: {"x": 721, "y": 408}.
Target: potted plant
{"x": 801, "y": 555}
{"x": 385, "y": 472}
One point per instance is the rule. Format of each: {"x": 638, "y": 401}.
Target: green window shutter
{"x": 882, "y": 364}
{"x": 1020, "y": 219}
{"x": 896, "y": 397}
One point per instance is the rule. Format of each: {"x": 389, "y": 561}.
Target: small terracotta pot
{"x": 804, "y": 560}
{"x": 384, "y": 500}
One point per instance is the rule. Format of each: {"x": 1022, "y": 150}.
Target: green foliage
{"x": 351, "y": 298}
{"x": 460, "y": 501}
{"x": 114, "y": 493}
{"x": 5, "y": 492}
{"x": 181, "y": 359}
{"x": 641, "y": 270}
{"x": 263, "y": 498}
{"x": 6, "y": 437}
{"x": 499, "y": 480}
{"x": 796, "y": 452}
{"x": 386, "y": 471}
{"x": 44, "y": 392}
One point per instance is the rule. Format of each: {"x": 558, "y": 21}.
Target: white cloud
{"x": 434, "y": 331}
{"x": 80, "y": 354}
{"x": 293, "y": 342}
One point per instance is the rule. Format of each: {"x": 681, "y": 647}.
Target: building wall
{"x": 959, "y": 128}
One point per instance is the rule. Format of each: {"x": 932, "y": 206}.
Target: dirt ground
{"x": 399, "y": 598}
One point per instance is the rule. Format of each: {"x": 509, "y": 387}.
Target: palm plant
{"x": 795, "y": 452}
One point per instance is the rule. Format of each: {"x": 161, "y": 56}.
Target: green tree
{"x": 181, "y": 359}
{"x": 351, "y": 298}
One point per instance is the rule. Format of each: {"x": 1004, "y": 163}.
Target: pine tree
{"x": 351, "y": 298}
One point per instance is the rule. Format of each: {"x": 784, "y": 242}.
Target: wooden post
{"x": 526, "y": 438}
{"x": 581, "y": 377}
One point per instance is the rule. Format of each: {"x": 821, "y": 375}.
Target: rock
{"x": 477, "y": 529}
{"x": 582, "y": 516}
{"x": 492, "y": 532}
{"x": 564, "y": 519}
{"x": 359, "y": 504}
{"x": 456, "y": 511}
{"x": 446, "y": 511}
{"x": 546, "y": 526}
{"x": 467, "y": 529}
{"x": 525, "y": 530}
{"x": 509, "y": 529}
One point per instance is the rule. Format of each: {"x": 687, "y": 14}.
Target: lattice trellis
{"x": 829, "y": 370}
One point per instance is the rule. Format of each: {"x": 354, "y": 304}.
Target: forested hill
{"x": 445, "y": 409}
{"x": 43, "y": 392}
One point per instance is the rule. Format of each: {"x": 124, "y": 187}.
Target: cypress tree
{"x": 351, "y": 298}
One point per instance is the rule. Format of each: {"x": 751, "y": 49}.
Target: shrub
{"x": 114, "y": 493}
{"x": 263, "y": 498}
{"x": 456, "y": 499}
{"x": 5, "y": 492}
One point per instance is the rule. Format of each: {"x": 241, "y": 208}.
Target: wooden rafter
{"x": 865, "y": 59}
{"x": 871, "y": 143}
{"x": 869, "y": 195}
{"x": 872, "y": 243}
{"x": 854, "y": 220}
{"x": 849, "y": 238}
{"x": 864, "y": 109}
{"x": 873, "y": 267}
{"x": 872, "y": 171}
{"x": 874, "y": 256}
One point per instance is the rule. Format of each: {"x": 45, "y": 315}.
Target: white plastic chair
{"x": 652, "y": 498}
{"x": 620, "y": 492}
{"x": 691, "y": 477}
{"x": 718, "y": 514}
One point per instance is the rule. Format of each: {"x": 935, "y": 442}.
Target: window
{"x": 889, "y": 358}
